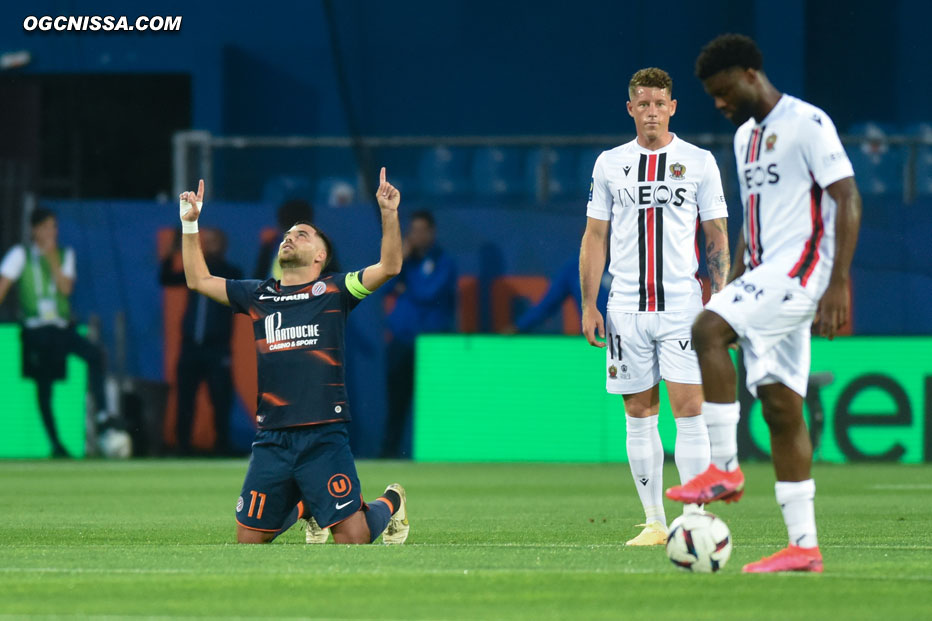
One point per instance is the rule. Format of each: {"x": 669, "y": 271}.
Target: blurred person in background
{"x": 46, "y": 274}
{"x": 205, "y": 346}
{"x": 565, "y": 284}
{"x": 425, "y": 303}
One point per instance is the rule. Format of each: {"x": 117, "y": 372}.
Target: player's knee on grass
{"x": 246, "y": 535}
{"x": 352, "y": 530}
{"x": 711, "y": 332}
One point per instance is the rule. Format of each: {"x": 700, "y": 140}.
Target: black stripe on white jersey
{"x": 642, "y": 259}
{"x": 747, "y": 151}
{"x": 760, "y": 246}
{"x": 753, "y": 152}
{"x": 658, "y": 255}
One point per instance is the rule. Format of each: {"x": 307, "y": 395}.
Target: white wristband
{"x": 184, "y": 207}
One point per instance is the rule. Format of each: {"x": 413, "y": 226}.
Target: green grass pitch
{"x": 488, "y": 541}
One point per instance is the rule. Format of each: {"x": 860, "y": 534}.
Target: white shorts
{"x": 772, "y": 315}
{"x": 644, "y": 348}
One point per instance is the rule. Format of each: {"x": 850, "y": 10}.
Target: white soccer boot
{"x": 397, "y": 530}
{"x": 313, "y": 533}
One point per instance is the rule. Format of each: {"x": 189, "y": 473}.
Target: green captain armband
{"x": 354, "y": 285}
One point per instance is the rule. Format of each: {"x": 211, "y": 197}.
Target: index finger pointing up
{"x": 200, "y": 191}
{"x": 382, "y": 175}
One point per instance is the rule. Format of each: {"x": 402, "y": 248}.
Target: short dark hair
{"x": 426, "y": 216}
{"x": 728, "y": 51}
{"x": 328, "y": 245}
{"x": 651, "y": 77}
{"x": 293, "y": 210}
{"x": 40, "y": 215}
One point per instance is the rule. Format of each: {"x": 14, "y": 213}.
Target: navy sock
{"x": 377, "y": 517}
{"x": 393, "y": 499}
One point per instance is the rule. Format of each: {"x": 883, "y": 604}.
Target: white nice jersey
{"x": 784, "y": 163}
{"x": 655, "y": 201}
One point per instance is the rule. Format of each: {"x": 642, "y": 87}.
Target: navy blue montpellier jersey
{"x": 299, "y": 332}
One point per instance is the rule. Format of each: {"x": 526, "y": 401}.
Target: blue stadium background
{"x": 477, "y": 68}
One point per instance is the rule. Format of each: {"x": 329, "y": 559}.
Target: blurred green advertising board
{"x": 501, "y": 398}
{"x": 22, "y": 434}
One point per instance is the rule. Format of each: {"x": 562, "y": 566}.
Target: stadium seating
{"x": 919, "y": 298}
{"x": 555, "y": 166}
{"x": 282, "y": 187}
{"x": 496, "y": 172}
{"x": 917, "y": 247}
{"x": 878, "y": 164}
{"x": 923, "y": 169}
{"x": 587, "y": 160}
{"x": 443, "y": 172}
{"x": 335, "y": 191}
{"x": 880, "y": 301}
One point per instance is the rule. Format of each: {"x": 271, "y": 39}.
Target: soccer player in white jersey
{"x": 801, "y": 216}
{"x": 649, "y": 198}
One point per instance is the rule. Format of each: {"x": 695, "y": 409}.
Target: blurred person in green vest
{"x": 46, "y": 275}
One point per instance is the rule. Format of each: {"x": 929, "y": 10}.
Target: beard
{"x": 292, "y": 261}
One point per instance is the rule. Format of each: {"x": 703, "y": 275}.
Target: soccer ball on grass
{"x": 115, "y": 444}
{"x": 699, "y": 542}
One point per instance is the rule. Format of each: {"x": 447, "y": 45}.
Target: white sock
{"x": 692, "y": 451}
{"x": 797, "y": 501}
{"x": 722, "y": 421}
{"x": 645, "y": 456}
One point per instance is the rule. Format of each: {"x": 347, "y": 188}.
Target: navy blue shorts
{"x": 312, "y": 465}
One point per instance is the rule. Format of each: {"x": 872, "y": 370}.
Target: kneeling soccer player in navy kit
{"x": 301, "y": 464}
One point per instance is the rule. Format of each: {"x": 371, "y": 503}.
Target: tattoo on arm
{"x": 718, "y": 266}
{"x": 717, "y": 258}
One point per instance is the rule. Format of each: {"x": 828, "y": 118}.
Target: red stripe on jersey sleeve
{"x": 810, "y": 255}
{"x": 696, "y": 238}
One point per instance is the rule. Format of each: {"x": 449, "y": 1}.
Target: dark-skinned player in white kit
{"x": 802, "y": 211}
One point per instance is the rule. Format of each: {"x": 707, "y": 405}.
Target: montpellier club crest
{"x": 319, "y": 288}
